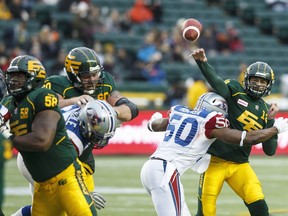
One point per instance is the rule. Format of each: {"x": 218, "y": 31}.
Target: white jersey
{"x": 187, "y": 138}
{"x": 71, "y": 116}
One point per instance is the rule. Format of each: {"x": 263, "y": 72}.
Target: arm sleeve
{"x": 216, "y": 82}
{"x": 217, "y": 121}
{"x": 270, "y": 146}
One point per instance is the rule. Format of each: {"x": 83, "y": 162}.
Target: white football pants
{"x": 162, "y": 181}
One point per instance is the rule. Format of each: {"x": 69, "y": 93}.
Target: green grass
{"x": 117, "y": 178}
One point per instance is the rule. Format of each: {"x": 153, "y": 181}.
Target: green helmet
{"x": 82, "y": 61}
{"x": 262, "y": 70}
{"x": 34, "y": 72}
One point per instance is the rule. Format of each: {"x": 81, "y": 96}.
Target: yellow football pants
{"x": 65, "y": 192}
{"x": 240, "y": 177}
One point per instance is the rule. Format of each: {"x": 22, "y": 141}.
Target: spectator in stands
{"x": 198, "y": 87}
{"x": 234, "y": 40}
{"x": 156, "y": 8}
{"x": 149, "y": 47}
{"x": 235, "y": 44}
{"x": 50, "y": 42}
{"x": 152, "y": 71}
{"x": 223, "y": 43}
{"x": 17, "y": 10}
{"x": 16, "y": 36}
{"x": 57, "y": 67}
{"x": 125, "y": 23}
{"x": 208, "y": 40}
{"x": 140, "y": 13}
{"x": 124, "y": 66}
{"x": 5, "y": 13}
{"x": 83, "y": 28}
{"x": 277, "y": 5}
{"x": 109, "y": 54}
{"x": 175, "y": 93}
{"x": 35, "y": 47}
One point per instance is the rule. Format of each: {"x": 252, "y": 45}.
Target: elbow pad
{"x": 132, "y": 106}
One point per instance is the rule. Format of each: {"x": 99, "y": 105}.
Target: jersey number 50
{"x": 178, "y": 129}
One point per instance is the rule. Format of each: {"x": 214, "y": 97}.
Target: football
{"x": 191, "y": 29}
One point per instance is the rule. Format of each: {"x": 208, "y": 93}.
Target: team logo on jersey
{"x": 257, "y": 107}
{"x": 242, "y": 102}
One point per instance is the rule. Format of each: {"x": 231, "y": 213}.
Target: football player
{"x": 90, "y": 127}
{"x": 249, "y": 112}
{"x": 189, "y": 133}
{"x": 38, "y": 132}
{"x": 86, "y": 80}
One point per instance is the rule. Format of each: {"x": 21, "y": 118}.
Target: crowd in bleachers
{"x": 49, "y": 29}
{"x": 40, "y": 32}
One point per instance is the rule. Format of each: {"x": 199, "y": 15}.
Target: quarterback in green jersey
{"x": 86, "y": 80}
{"x": 38, "y": 132}
{"x": 247, "y": 111}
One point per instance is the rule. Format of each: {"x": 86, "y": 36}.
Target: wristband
{"x": 150, "y": 126}
{"x": 243, "y": 135}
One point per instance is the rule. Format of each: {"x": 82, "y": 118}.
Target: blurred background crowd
{"x": 140, "y": 41}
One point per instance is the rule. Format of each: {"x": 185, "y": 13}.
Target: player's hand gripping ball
{"x": 191, "y": 29}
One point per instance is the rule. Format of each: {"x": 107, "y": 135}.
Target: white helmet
{"x": 98, "y": 122}
{"x": 212, "y": 102}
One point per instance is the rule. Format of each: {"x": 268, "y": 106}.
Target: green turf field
{"x": 117, "y": 178}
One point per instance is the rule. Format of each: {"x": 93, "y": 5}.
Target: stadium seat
{"x": 69, "y": 44}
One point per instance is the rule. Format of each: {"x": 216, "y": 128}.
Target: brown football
{"x": 191, "y": 29}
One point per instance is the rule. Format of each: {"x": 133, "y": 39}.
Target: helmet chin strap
{"x": 89, "y": 92}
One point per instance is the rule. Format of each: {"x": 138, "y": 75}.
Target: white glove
{"x": 98, "y": 200}
{"x": 5, "y": 127}
{"x": 281, "y": 124}
{"x": 156, "y": 115}
{"x": 5, "y": 131}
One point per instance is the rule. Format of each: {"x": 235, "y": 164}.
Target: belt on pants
{"x": 157, "y": 158}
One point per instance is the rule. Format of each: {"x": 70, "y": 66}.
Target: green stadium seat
{"x": 69, "y": 44}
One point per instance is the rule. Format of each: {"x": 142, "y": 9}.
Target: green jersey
{"x": 41, "y": 165}
{"x": 62, "y": 86}
{"x": 244, "y": 113}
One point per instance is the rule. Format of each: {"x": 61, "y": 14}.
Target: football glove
{"x": 98, "y": 200}
{"x": 156, "y": 115}
{"x": 5, "y": 131}
{"x": 5, "y": 127}
{"x": 281, "y": 124}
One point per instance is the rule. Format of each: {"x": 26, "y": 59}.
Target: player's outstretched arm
{"x": 157, "y": 123}
{"x": 125, "y": 108}
{"x": 250, "y": 138}
{"x": 209, "y": 73}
